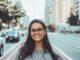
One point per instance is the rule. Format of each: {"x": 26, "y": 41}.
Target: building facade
{"x": 62, "y": 10}
{"x": 49, "y": 12}
{"x": 57, "y": 11}
{"x": 76, "y": 5}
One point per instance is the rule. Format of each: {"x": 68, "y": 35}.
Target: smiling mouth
{"x": 37, "y": 36}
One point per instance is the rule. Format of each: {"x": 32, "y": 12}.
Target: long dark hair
{"x": 28, "y": 48}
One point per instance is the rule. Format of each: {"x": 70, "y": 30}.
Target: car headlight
{"x": 6, "y": 36}
{"x": 15, "y": 35}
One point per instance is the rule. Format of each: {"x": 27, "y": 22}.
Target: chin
{"x": 37, "y": 40}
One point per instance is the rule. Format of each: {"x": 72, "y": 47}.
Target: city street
{"x": 11, "y": 47}
{"x": 68, "y": 43}
{"x": 60, "y": 17}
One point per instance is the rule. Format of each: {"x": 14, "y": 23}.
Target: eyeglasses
{"x": 38, "y": 30}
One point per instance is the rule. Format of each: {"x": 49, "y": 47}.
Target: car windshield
{"x": 11, "y": 33}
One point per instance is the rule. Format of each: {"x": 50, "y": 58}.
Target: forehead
{"x": 36, "y": 25}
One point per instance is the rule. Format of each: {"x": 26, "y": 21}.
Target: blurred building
{"x": 76, "y": 5}
{"x": 57, "y": 11}
{"x": 62, "y": 10}
{"x": 49, "y": 12}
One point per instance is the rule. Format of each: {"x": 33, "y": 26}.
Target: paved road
{"x": 10, "y": 46}
{"x": 68, "y": 43}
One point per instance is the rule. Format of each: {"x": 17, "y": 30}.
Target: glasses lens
{"x": 33, "y": 30}
{"x": 38, "y": 30}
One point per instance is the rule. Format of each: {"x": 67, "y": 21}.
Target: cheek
{"x": 43, "y": 34}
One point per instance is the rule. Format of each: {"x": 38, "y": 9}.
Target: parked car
{"x": 22, "y": 33}
{"x": 1, "y": 49}
{"x": 12, "y": 36}
{"x": 77, "y": 31}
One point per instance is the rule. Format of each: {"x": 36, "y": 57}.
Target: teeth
{"x": 36, "y": 36}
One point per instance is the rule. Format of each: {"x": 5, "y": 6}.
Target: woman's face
{"x": 37, "y": 32}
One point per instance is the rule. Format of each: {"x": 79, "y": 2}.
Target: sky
{"x": 34, "y": 8}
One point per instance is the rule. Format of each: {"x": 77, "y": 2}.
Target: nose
{"x": 36, "y": 32}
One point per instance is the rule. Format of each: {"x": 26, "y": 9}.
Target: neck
{"x": 38, "y": 46}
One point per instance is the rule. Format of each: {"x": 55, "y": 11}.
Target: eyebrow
{"x": 38, "y": 28}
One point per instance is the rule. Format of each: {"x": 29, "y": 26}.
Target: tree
{"x": 72, "y": 20}
{"x": 9, "y": 12}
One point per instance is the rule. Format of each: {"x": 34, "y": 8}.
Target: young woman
{"x": 37, "y": 46}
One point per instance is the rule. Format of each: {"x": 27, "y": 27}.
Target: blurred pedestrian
{"x": 1, "y": 49}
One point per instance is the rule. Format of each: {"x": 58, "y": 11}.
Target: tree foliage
{"x": 73, "y": 20}
{"x": 9, "y": 11}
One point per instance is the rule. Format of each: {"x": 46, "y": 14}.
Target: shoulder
{"x": 48, "y": 56}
